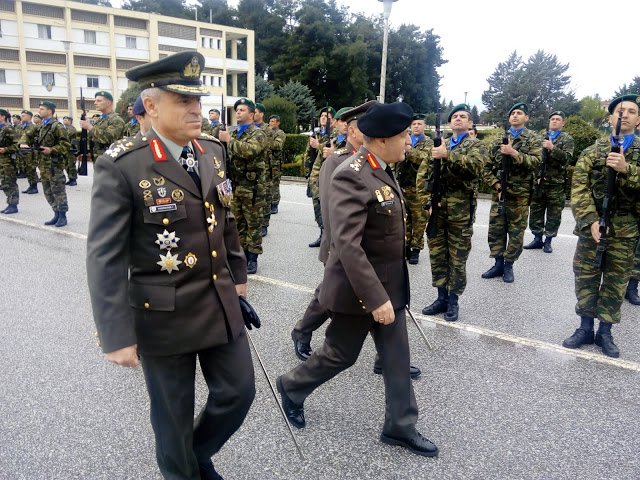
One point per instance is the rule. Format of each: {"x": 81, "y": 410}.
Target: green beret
{"x": 260, "y": 107}
{"x": 67, "y": 118}
{"x": 15, "y": 115}
{"x": 245, "y": 101}
{"x": 129, "y": 105}
{"x": 356, "y": 112}
{"x": 274, "y": 116}
{"x": 462, "y": 107}
{"x": 331, "y": 111}
{"x": 420, "y": 116}
{"x": 558, "y": 112}
{"x": 520, "y": 106}
{"x": 4, "y": 112}
{"x": 341, "y": 111}
{"x": 177, "y": 73}
{"x": 27, "y": 112}
{"x": 96, "y": 115}
{"x": 215, "y": 110}
{"x": 104, "y": 94}
{"x": 632, "y": 97}
{"x": 37, "y": 115}
{"x": 48, "y": 104}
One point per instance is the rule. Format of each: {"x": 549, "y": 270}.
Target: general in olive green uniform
{"x": 276, "y": 161}
{"x": 558, "y": 149}
{"x": 106, "y": 130}
{"x": 54, "y": 145}
{"x": 600, "y": 289}
{"x": 70, "y": 163}
{"x": 524, "y": 152}
{"x": 8, "y": 170}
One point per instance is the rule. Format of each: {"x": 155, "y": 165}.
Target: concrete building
{"x": 51, "y": 49}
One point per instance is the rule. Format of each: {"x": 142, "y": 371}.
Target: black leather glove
{"x": 249, "y": 315}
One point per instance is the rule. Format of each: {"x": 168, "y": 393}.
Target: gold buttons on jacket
{"x": 214, "y": 254}
{"x": 99, "y": 344}
{"x": 389, "y": 210}
{"x": 363, "y": 307}
{"x": 215, "y": 277}
{"x": 146, "y": 305}
{"x": 165, "y": 221}
{"x": 95, "y": 334}
{"x": 206, "y": 204}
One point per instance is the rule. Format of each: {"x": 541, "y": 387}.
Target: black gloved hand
{"x": 249, "y": 315}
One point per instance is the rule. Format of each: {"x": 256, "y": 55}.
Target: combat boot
{"x": 264, "y": 231}
{"x": 72, "y": 182}
{"x": 316, "y": 244}
{"x": 497, "y": 270}
{"x": 10, "y": 209}
{"x": 274, "y": 209}
{"x": 632, "y": 292}
{"x": 252, "y": 263}
{"x": 536, "y": 243}
{"x": 605, "y": 341}
{"x": 451, "y": 314}
{"x": 547, "y": 245}
{"x": 440, "y": 305}
{"x": 62, "y": 219}
{"x": 582, "y": 336}
{"x": 54, "y": 220}
{"x": 33, "y": 188}
{"x": 507, "y": 275}
{"x": 414, "y": 257}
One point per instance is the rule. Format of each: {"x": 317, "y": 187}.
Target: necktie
{"x": 191, "y": 171}
{"x": 389, "y": 172}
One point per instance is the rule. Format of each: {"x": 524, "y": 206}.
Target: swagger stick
{"x": 429, "y": 344}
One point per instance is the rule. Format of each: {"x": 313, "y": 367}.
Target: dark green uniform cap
{"x": 558, "y": 112}
{"x": 177, "y": 73}
{"x": 520, "y": 106}
{"x": 356, "y": 112}
{"x": 215, "y": 110}
{"x": 260, "y": 107}
{"x": 274, "y": 116}
{"x": 632, "y": 97}
{"x": 332, "y": 111}
{"x": 27, "y": 112}
{"x": 4, "y": 112}
{"x": 247, "y": 102}
{"x": 341, "y": 111}
{"x": 104, "y": 94}
{"x": 48, "y": 104}
{"x": 462, "y": 107}
{"x": 68, "y": 118}
{"x": 420, "y": 116}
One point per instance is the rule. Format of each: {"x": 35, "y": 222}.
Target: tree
{"x": 301, "y": 97}
{"x": 475, "y": 116}
{"x": 218, "y": 12}
{"x": 583, "y": 134}
{"x": 285, "y": 109}
{"x": 592, "y": 112}
{"x": 127, "y": 97}
{"x": 102, "y": 3}
{"x": 632, "y": 88}
{"x": 172, "y": 8}
{"x": 263, "y": 89}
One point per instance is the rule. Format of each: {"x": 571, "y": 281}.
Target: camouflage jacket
{"x": 52, "y": 135}
{"x": 206, "y": 127}
{"x": 587, "y": 190}
{"x": 461, "y": 171}
{"x": 523, "y": 169}
{"x": 407, "y": 170}
{"x": 310, "y": 159}
{"x": 247, "y": 156}
{"x": 130, "y": 129}
{"x": 8, "y": 140}
{"x": 277, "y": 147}
{"x": 21, "y": 130}
{"x": 106, "y": 130}
{"x": 558, "y": 159}
{"x": 71, "y": 132}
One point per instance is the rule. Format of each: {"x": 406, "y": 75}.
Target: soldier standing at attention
{"x": 51, "y": 145}
{"x": 462, "y": 161}
{"x": 600, "y": 289}
{"x": 70, "y": 161}
{"x": 525, "y": 152}
{"x": 8, "y": 171}
{"x": 214, "y": 122}
{"x": 107, "y": 129}
{"x": 37, "y": 119}
{"x": 277, "y": 159}
{"x": 559, "y": 150}
{"x": 413, "y": 188}
{"x": 28, "y": 159}
{"x": 132, "y": 126}
{"x": 247, "y": 164}
{"x": 258, "y": 121}
{"x": 166, "y": 197}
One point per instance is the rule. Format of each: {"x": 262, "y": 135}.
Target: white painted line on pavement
{"x": 52, "y": 229}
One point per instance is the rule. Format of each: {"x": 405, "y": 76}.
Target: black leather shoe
{"x": 316, "y": 244}
{"x": 264, "y": 231}
{"x": 497, "y": 270}
{"x": 303, "y": 350}
{"x": 274, "y": 209}
{"x": 415, "y": 443}
{"x": 54, "y": 220}
{"x": 414, "y": 372}
{"x": 547, "y": 245}
{"x": 294, "y": 412}
{"x": 632, "y": 292}
{"x": 580, "y": 337}
{"x": 10, "y": 209}
{"x": 507, "y": 274}
{"x": 414, "y": 257}
{"x": 535, "y": 244}
{"x": 72, "y": 182}
{"x": 207, "y": 472}
{"x": 605, "y": 341}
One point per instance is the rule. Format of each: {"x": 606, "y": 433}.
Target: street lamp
{"x": 387, "y": 4}
{"x": 67, "y": 44}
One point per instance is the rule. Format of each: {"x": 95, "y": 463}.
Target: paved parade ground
{"x": 499, "y": 395}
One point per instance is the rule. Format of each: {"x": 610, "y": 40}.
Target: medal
{"x": 190, "y": 162}
{"x": 379, "y": 196}
{"x": 212, "y": 219}
{"x": 190, "y": 260}
{"x": 169, "y": 263}
{"x": 177, "y": 195}
{"x": 167, "y": 240}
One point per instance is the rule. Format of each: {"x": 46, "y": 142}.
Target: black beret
{"x": 558, "y": 112}
{"x": 356, "y": 112}
{"x": 385, "y": 120}
{"x": 632, "y": 97}
{"x": 460, "y": 107}
{"x": 520, "y": 106}
{"x": 138, "y": 107}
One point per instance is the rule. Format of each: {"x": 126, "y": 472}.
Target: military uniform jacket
{"x": 558, "y": 159}
{"x": 178, "y": 299}
{"x": 407, "y": 171}
{"x": 277, "y": 147}
{"x": 247, "y": 156}
{"x": 366, "y": 266}
{"x": 52, "y": 135}
{"x": 523, "y": 169}
{"x": 587, "y": 190}
{"x": 326, "y": 171}
{"x": 106, "y": 130}
{"x": 130, "y": 129}
{"x": 8, "y": 140}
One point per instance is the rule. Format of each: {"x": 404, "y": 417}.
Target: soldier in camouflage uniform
{"x": 54, "y": 145}
{"x": 258, "y": 121}
{"x": 247, "y": 163}
{"x": 8, "y": 171}
{"x": 107, "y": 129}
{"x": 276, "y": 161}
{"x": 27, "y": 158}
{"x": 558, "y": 146}
{"x": 214, "y": 124}
{"x": 525, "y": 152}
{"x": 462, "y": 158}
{"x": 70, "y": 164}
{"x": 632, "y": 287}
{"x": 132, "y": 127}
{"x": 600, "y": 289}
{"x": 413, "y": 186}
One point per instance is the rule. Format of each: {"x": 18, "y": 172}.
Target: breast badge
{"x": 158, "y": 182}
{"x": 225, "y": 193}
{"x": 169, "y": 263}
{"x": 144, "y": 184}
{"x": 386, "y": 191}
{"x": 167, "y": 240}
{"x": 190, "y": 260}
{"x": 177, "y": 195}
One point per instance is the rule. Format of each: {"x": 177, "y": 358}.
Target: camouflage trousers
{"x": 635, "y": 272}
{"x": 511, "y": 225}
{"x": 8, "y": 175}
{"x": 248, "y": 208}
{"x": 600, "y": 291}
{"x": 70, "y": 167}
{"x": 416, "y": 218}
{"x": 27, "y": 164}
{"x": 268, "y": 195}
{"x": 315, "y": 192}
{"x": 275, "y": 189}
{"x": 551, "y": 200}
{"x": 449, "y": 251}
{"x": 53, "y": 181}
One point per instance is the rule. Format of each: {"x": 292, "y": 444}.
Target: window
{"x": 89, "y": 36}
{"x": 48, "y": 78}
{"x": 44, "y": 31}
{"x": 92, "y": 82}
{"x": 3, "y": 78}
{"x": 204, "y": 42}
{"x": 131, "y": 42}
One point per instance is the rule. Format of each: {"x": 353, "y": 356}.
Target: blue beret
{"x": 138, "y": 107}
{"x": 385, "y": 120}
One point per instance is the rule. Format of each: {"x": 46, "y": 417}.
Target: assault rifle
{"x": 504, "y": 173}
{"x": 543, "y": 167}
{"x": 435, "y": 185}
{"x": 313, "y": 153}
{"x": 83, "y": 139}
{"x": 609, "y": 192}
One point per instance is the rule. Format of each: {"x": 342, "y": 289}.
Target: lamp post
{"x": 67, "y": 44}
{"x": 465, "y": 97}
{"x": 387, "y": 4}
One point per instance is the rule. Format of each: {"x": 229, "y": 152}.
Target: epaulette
{"x": 206, "y": 136}
{"x": 340, "y": 151}
{"x": 357, "y": 162}
{"x": 125, "y": 145}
